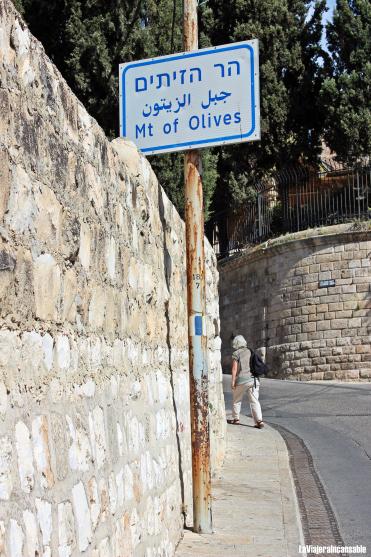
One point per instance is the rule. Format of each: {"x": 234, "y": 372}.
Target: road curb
{"x": 291, "y": 512}
{"x": 318, "y": 521}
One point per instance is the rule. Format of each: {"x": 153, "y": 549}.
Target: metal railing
{"x": 295, "y": 199}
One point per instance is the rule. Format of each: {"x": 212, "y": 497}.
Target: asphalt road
{"x": 334, "y": 421}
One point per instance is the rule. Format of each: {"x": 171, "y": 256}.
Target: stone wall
{"x": 94, "y": 397}
{"x": 273, "y": 296}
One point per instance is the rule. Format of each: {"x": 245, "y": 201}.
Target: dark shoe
{"x": 234, "y": 422}
{"x": 259, "y": 425}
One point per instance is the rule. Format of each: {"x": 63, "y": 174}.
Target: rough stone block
{"x": 82, "y": 516}
{"x": 6, "y": 481}
{"x": 329, "y": 315}
{"x": 335, "y": 306}
{"x": 363, "y": 287}
{"x": 318, "y": 376}
{"x": 347, "y": 256}
{"x": 343, "y": 314}
{"x": 85, "y": 246}
{"x": 47, "y": 286}
{"x": 40, "y": 438}
{"x": 363, "y": 349}
{"x": 66, "y": 529}
{"x": 344, "y": 281}
{"x": 94, "y": 502}
{"x": 9, "y": 349}
{"x": 16, "y": 539}
{"x": 97, "y": 308}
{"x": 31, "y": 542}
{"x": 48, "y": 221}
{"x": 355, "y": 322}
{"x": 305, "y": 376}
{"x": 348, "y": 288}
{"x": 69, "y": 296}
{"x": 21, "y": 206}
{"x": 352, "y": 374}
{"x": 44, "y": 517}
{"x": 25, "y": 457}
{"x": 79, "y": 454}
{"x": 324, "y": 325}
{"x": 326, "y": 267}
{"x": 339, "y": 323}
{"x": 58, "y": 430}
{"x": 309, "y": 310}
{"x": 331, "y": 334}
{"x": 110, "y": 257}
{"x": 4, "y": 179}
{"x": 349, "y": 332}
{"x": 314, "y": 268}
{"x": 62, "y": 353}
{"x": 47, "y": 346}
{"x": 331, "y": 298}
{"x": 3, "y": 399}
{"x": 98, "y": 436}
{"x": 309, "y": 327}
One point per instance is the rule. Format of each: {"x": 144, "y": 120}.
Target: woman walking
{"x": 244, "y": 382}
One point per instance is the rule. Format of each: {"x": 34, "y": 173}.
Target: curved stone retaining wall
{"x": 278, "y": 298}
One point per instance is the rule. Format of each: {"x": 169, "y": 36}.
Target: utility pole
{"x": 196, "y": 295}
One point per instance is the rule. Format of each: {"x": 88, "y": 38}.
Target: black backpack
{"x": 257, "y": 366}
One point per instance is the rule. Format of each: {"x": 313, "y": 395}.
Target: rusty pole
{"x": 198, "y": 356}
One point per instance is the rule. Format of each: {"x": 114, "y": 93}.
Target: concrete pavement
{"x": 255, "y": 511}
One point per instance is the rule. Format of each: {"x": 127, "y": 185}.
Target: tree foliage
{"x": 88, "y": 39}
{"x": 346, "y": 92}
{"x": 290, "y": 77}
{"x": 304, "y": 90}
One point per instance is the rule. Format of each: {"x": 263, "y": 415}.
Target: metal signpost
{"x": 181, "y": 102}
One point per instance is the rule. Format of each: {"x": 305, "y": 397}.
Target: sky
{"x": 331, "y": 5}
{"x": 327, "y": 17}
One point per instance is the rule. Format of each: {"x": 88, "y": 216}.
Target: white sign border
{"x": 252, "y": 135}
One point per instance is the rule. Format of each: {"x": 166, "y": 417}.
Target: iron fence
{"x": 292, "y": 200}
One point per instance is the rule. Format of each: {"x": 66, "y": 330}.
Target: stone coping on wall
{"x": 345, "y": 233}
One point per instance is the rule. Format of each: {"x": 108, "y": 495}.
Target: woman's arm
{"x": 234, "y": 372}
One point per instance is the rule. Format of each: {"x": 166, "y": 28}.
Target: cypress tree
{"x": 88, "y": 41}
{"x": 290, "y": 78}
{"x": 346, "y": 92}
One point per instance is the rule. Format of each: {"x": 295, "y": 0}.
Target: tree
{"x": 346, "y": 92}
{"x": 91, "y": 38}
{"x": 163, "y": 34}
{"x": 290, "y": 76}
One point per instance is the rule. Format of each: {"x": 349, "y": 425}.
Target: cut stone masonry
{"x": 94, "y": 392}
{"x": 306, "y": 332}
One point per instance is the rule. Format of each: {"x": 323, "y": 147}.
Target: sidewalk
{"x": 255, "y": 511}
